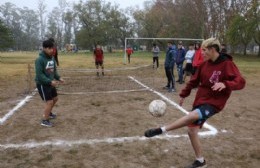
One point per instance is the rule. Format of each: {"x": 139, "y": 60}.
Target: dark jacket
{"x": 170, "y": 57}
{"x": 45, "y": 68}
{"x": 180, "y": 56}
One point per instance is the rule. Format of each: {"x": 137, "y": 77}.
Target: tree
{"x": 6, "y": 40}
{"x": 240, "y": 32}
{"x": 41, "y": 12}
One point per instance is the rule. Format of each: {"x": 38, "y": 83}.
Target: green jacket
{"x": 45, "y": 68}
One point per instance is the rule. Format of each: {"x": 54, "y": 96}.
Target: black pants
{"x": 156, "y": 59}
{"x": 170, "y": 77}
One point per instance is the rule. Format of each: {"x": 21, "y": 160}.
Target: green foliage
{"x": 101, "y": 23}
{"x": 6, "y": 40}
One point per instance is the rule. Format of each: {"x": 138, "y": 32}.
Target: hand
{"x": 218, "y": 86}
{"x": 181, "y": 101}
{"x": 61, "y": 81}
{"x": 54, "y": 83}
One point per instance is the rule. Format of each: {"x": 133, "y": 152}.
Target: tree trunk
{"x": 258, "y": 50}
{"x": 245, "y": 46}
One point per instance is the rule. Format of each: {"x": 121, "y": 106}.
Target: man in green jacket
{"x": 47, "y": 79}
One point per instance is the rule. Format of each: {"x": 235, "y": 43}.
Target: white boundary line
{"x": 64, "y": 143}
{"x": 19, "y": 105}
{"x": 212, "y": 130}
{"x": 105, "y": 92}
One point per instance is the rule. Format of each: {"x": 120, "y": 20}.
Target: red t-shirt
{"x": 129, "y": 51}
{"x": 98, "y": 52}
{"x": 222, "y": 70}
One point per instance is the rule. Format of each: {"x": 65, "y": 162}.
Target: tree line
{"x": 234, "y": 22}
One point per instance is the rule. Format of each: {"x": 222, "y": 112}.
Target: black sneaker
{"x": 152, "y": 132}
{"x": 52, "y": 116}
{"x": 198, "y": 164}
{"x": 171, "y": 90}
{"x": 166, "y": 87}
{"x": 46, "y": 123}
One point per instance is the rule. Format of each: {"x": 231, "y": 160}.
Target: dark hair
{"x": 47, "y": 44}
{"x": 214, "y": 46}
{"x": 52, "y": 39}
{"x": 154, "y": 44}
{"x": 191, "y": 44}
{"x": 197, "y": 43}
{"x": 170, "y": 42}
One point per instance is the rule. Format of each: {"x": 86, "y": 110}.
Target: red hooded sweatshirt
{"x": 209, "y": 73}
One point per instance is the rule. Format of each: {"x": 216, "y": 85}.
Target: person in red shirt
{"x": 99, "y": 59}
{"x": 55, "y": 51}
{"x": 198, "y": 58}
{"x": 215, "y": 78}
{"x": 129, "y": 52}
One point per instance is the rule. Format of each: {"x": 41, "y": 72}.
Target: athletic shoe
{"x": 52, "y": 116}
{"x": 171, "y": 90}
{"x": 152, "y": 132}
{"x": 46, "y": 123}
{"x": 166, "y": 87}
{"x": 198, "y": 164}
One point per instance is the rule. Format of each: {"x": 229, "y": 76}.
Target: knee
{"x": 192, "y": 131}
{"x": 50, "y": 102}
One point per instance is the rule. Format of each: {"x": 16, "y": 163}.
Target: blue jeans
{"x": 180, "y": 72}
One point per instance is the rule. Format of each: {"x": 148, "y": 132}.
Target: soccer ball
{"x": 157, "y": 108}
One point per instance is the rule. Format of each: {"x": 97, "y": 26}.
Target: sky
{"x": 32, "y": 4}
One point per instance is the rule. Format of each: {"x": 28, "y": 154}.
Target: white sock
{"x": 201, "y": 159}
{"x": 163, "y": 129}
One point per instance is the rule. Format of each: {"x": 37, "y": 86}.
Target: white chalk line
{"x": 64, "y": 143}
{"x": 67, "y": 143}
{"x": 212, "y": 130}
{"x": 103, "y": 92}
{"x": 105, "y": 70}
{"x": 17, "y": 107}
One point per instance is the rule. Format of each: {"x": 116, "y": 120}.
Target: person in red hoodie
{"x": 215, "y": 78}
{"x": 99, "y": 59}
{"x": 198, "y": 58}
{"x": 129, "y": 52}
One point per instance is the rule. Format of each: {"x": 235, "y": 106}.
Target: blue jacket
{"x": 180, "y": 56}
{"x": 170, "y": 57}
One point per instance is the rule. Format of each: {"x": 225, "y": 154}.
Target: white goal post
{"x": 142, "y": 38}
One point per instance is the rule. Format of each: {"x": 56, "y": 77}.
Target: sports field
{"x": 101, "y": 120}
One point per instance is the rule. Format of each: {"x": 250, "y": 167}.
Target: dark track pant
{"x": 170, "y": 77}
{"x": 156, "y": 59}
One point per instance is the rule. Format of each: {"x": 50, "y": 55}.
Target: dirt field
{"x": 89, "y": 113}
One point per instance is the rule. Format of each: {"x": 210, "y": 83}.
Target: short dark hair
{"x": 52, "y": 39}
{"x": 170, "y": 42}
{"x": 214, "y": 46}
{"x": 47, "y": 44}
{"x": 154, "y": 44}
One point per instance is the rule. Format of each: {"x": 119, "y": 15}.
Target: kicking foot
{"x": 153, "y": 132}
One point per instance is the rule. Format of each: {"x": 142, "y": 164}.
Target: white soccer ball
{"x": 157, "y": 108}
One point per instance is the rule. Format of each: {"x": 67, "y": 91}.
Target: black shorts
{"x": 99, "y": 63}
{"x": 47, "y": 92}
{"x": 188, "y": 68}
{"x": 205, "y": 111}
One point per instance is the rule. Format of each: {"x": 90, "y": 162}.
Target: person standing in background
{"x": 155, "y": 51}
{"x": 179, "y": 62}
{"x": 198, "y": 58}
{"x": 129, "y": 52}
{"x": 55, "y": 51}
{"x": 98, "y": 56}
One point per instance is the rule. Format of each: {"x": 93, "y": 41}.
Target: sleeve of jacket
{"x": 193, "y": 83}
{"x": 172, "y": 55}
{"x": 39, "y": 68}
{"x": 183, "y": 56}
{"x": 235, "y": 81}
